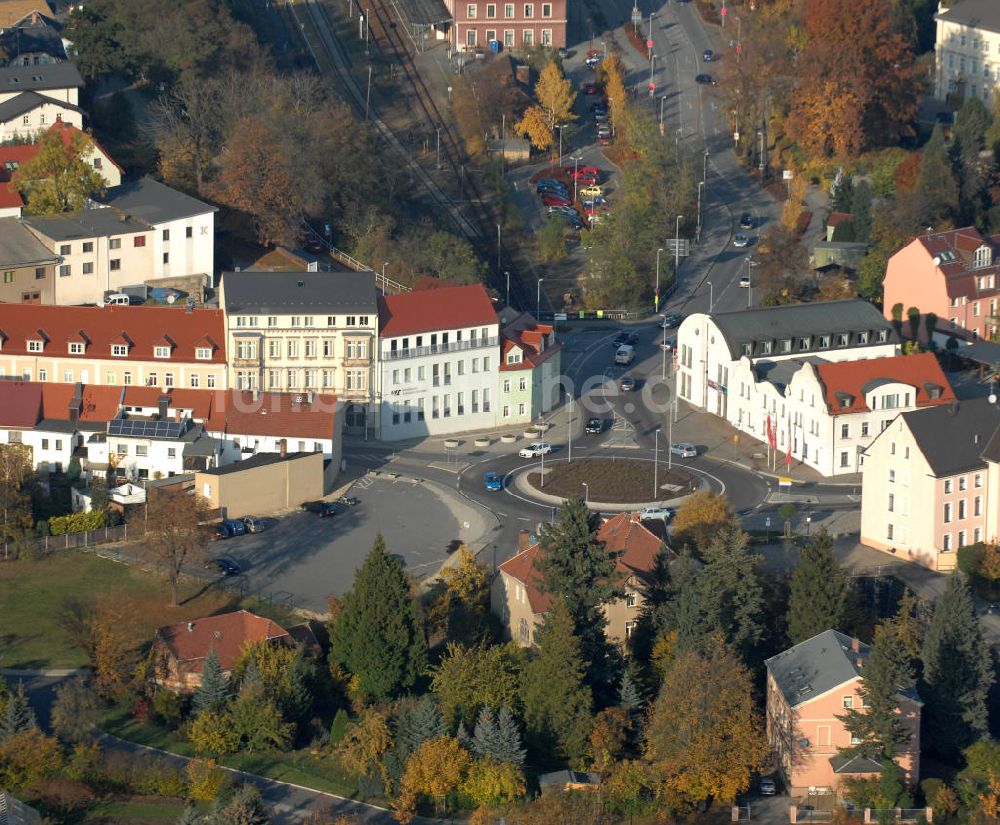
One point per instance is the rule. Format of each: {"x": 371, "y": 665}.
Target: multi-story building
{"x": 520, "y": 25}
{"x": 929, "y": 483}
{"x": 709, "y": 347}
{"x": 809, "y": 688}
{"x": 32, "y": 98}
{"x": 953, "y": 275}
{"x": 28, "y": 266}
{"x": 825, "y": 414}
{"x": 530, "y": 369}
{"x": 967, "y": 49}
{"x": 114, "y": 345}
{"x": 439, "y": 356}
{"x": 305, "y": 332}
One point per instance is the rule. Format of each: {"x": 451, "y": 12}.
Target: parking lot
{"x": 304, "y": 558}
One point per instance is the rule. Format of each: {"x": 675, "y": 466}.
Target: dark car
{"x": 746, "y": 221}
{"x": 708, "y": 55}
{"x": 768, "y": 787}
{"x": 223, "y": 565}
{"x": 595, "y": 426}
{"x": 229, "y": 528}
{"x": 323, "y": 509}
{"x": 626, "y": 338}
{"x": 627, "y": 383}
{"x": 591, "y": 88}
{"x": 598, "y": 106}
{"x": 707, "y": 79}
{"x": 672, "y": 319}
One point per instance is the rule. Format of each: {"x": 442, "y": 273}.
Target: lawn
{"x": 138, "y": 811}
{"x": 33, "y": 594}
{"x": 621, "y": 480}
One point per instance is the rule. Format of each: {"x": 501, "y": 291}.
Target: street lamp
{"x": 662, "y": 98}
{"x": 656, "y": 295}
{"x": 384, "y": 265}
{"x": 576, "y": 168}
{"x": 652, "y": 68}
{"x": 701, "y": 185}
{"x": 808, "y": 525}
{"x": 569, "y": 431}
{"x": 750, "y": 262}
{"x": 711, "y": 296}
{"x": 560, "y": 127}
{"x": 507, "y": 274}
{"x": 586, "y": 492}
{"x": 498, "y": 246}
{"x": 538, "y": 299}
{"x": 677, "y": 246}
{"x": 656, "y": 464}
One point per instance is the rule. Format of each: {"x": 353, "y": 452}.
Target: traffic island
{"x": 614, "y": 481}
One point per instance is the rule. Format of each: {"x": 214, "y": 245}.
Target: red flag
{"x": 772, "y": 435}
{"x": 788, "y": 451}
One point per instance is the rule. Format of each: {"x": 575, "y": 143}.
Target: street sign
{"x": 784, "y": 482}
{"x": 787, "y": 174}
{"x": 652, "y": 87}
{"x": 649, "y": 44}
{"x": 767, "y": 521}
{"x": 679, "y": 246}
{"x": 636, "y": 15}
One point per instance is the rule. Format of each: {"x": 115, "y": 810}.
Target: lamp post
{"x": 569, "y": 431}
{"x": 704, "y": 167}
{"x": 701, "y": 185}
{"x": 750, "y": 262}
{"x": 576, "y": 169}
{"x": 670, "y": 439}
{"x": 656, "y": 465}
{"x": 586, "y": 493}
{"x": 663, "y": 355}
{"x": 656, "y": 294}
{"x": 439, "y": 148}
{"x": 498, "y": 246}
{"x": 677, "y": 246}
{"x": 711, "y": 296}
{"x": 662, "y": 98}
{"x": 538, "y": 298}
{"x": 560, "y": 127}
{"x": 507, "y": 275}
{"x": 384, "y": 265}
{"x": 652, "y": 68}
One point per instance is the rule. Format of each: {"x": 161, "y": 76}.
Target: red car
{"x": 586, "y": 172}
{"x": 555, "y": 200}
{"x": 591, "y": 88}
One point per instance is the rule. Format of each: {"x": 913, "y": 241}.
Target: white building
{"x": 709, "y": 347}
{"x": 439, "y": 355}
{"x": 967, "y": 49}
{"x": 830, "y": 411}
{"x": 32, "y": 98}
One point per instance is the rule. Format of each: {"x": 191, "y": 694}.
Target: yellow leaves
{"x": 989, "y": 566}
{"x": 535, "y": 126}
{"x": 365, "y": 743}
{"x": 989, "y": 800}
{"x": 608, "y": 736}
{"x": 555, "y": 95}
{"x": 205, "y": 779}
{"x": 436, "y": 768}
{"x": 795, "y": 204}
{"x": 59, "y": 178}
{"x": 468, "y": 580}
{"x": 490, "y": 783}
{"x": 700, "y": 516}
{"x": 27, "y": 757}
{"x": 664, "y": 652}
{"x": 211, "y": 732}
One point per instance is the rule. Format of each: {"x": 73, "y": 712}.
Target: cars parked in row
{"x": 746, "y": 221}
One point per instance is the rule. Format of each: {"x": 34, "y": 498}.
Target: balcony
{"x": 440, "y": 349}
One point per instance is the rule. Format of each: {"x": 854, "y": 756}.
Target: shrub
{"x": 167, "y": 708}
{"x": 77, "y": 522}
{"x": 205, "y": 780}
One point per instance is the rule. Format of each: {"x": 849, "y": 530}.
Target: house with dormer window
{"x": 530, "y": 368}
{"x": 953, "y": 275}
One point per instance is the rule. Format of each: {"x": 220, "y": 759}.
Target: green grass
{"x": 621, "y": 480}
{"x": 137, "y": 811}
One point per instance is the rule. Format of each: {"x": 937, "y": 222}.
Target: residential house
{"x": 709, "y": 347}
{"x": 809, "y": 687}
{"x": 530, "y": 369}
{"x": 305, "y": 332}
{"x": 439, "y": 355}
{"x": 34, "y": 40}
{"x": 264, "y": 483}
{"x": 114, "y": 345}
{"x": 15, "y": 812}
{"x": 967, "y": 50}
{"x": 926, "y": 486}
{"x": 517, "y": 598}
{"x": 520, "y": 25}
{"x": 180, "y": 650}
{"x": 32, "y": 98}
{"x": 830, "y": 411}
{"x": 951, "y": 274}
{"x": 28, "y": 266}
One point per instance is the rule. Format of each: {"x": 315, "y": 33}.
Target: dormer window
{"x": 843, "y": 339}
{"x": 75, "y": 348}
{"x": 161, "y": 352}
{"x": 824, "y": 342}
{"x": 863, "y": 337}
{"x": 748, "y": 348}
{"x": 119, "y": 350}
{"x": 982, "y": 257}
{"x": 35, "y": 345}
{"x": 805, "y": 343}
{"x": 765, "y": 347}
{"x": 203, "y": 353}
{"x": 883, "y": 336}
{"x": 786, "y": 345}
{"x": 514, "y": 356}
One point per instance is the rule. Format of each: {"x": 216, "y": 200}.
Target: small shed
{"x": 569, "y": 781}
{"x": 514, "y": 150}
{"x": 847, "y": 254}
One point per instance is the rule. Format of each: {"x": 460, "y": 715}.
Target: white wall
{"x": 38, "y": 119}
{"x": 188, "y": 256}
{"x": 48, "y": 449}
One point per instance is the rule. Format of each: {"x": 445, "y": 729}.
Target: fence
{"x": 70, "y": 541}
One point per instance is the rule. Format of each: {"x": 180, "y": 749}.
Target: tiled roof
{"x": 189, "y": 642}
{"x": 86, "y": 223}
{"x": 849, "y": 381}
{"x": 287, "y": 293}
{"x": 527, "y": 333}
{"x": 522, "y": 568}
{"x": 953, "y": 254}
{"x": 953, "y": 438}
{"x": 28, "y": 101}
{"x": 198, "y": 401}
{"x": 97, "y": 404}
{"x": 279, "y": 414}
{"x": 429, "y": 310}
{"x": 101, "y": 325}
{"x": 20, "y": 404}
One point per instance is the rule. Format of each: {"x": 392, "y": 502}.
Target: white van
{"x": 115, "y": 299}
{"x": 625, "y": 354}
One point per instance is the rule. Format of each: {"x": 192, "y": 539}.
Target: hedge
{"x": 77, "y": 522}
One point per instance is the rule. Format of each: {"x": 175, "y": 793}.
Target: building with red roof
{"x": 518, "y": 597}
{"x": 530, "y": 369}
{"x": 825, "y": 414}
{"x": 953, "y": 275}
{"x": 439, "y": 360}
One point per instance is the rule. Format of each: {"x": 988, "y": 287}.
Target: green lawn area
{"x": 138, "y": 811}
{"x": 621, "y": 480}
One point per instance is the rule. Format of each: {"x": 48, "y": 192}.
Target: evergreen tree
{"x": 190, "y": 816}
{"x": 213, "y": 692}
{"x": 245, "y": 807}
{"x": 958, "y": 673}
{"x": 629, "y": 696}
{"x": 462, "y": 735}
{"x": 378, "y": 636}
{"x": 508, "y": 739}
{"x": 484, "y": 735}
{"x": 557, "y": 702}
{"x": 19, "y": 716}
{"x": 817, "y": 592}
{"x": 252, "y": 680}
{"x": 936, "y": 183}
{"x": 843, "y": 196}
{"x": 417, "y": 724}
{"x": 968, "y": 139}
{"x": 861, "y": 211}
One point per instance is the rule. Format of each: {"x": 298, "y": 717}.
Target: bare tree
{"x": 175, "y": 532}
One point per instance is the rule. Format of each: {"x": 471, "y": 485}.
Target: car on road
{"x": 746, "y": 221}
{"x": 229, "y": 528}
{"x": 656, "y": 511}
{"x": 625, "y": 338}
{"x": 536, "y": 449}
{"x": 316, "y": 247}
{"x": 595, "y": 426}
{"x": 671, "y": 319}
{"x": 626, "y": 383}
{"x": 741, "y": 241}
{"x": 592, "y": 62}
{"x": 591, "y": 191}
{"x": 605, "y": 139}
{"x": 768, "y": 787}
{"x": 563, "y": 53}
{"x": 492, "y": 482}
{"x": 745, "y": 281}
{"x": 323, "y": 509}
{"x": 254, "y": 524}
{"x": 598, "y": 108}
{"x": 705, "y": 79}
{"x": 556, "y": 200}
{"x": 684, "y": 449}
{"x": 592, "y": 88}
{"x": 223, "y": 565}
{"x": 708, "y": 55}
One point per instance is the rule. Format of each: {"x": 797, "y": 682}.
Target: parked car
{"x": 556, "y": 200}
{"x": 573, "y": 220}
{"x": 768, "y": 787}
{"x": 323, "y": 509}
{"x": 550, "y": 182}
{"x": 706, "y": 79}
{"x": 708, "y": 55}
{"x": 557, "y": 191}
{"x": 746, "y": 221}
{"x": 669, "y": 344}
{"x": 231, "y": 527}
{"x": 684, "y": 450}
{"x": 316, "y": 247}
{"x": 625, "y": 338}
{"x": 592, "y": 62}
{"x": 348, "y": 501}
{"x": 563, "y": 53}
{"x": 672, "y": 319}
{"x": 223, "y": 565}
{"x": 595, "y": 426}
{"x": 591, "y": 88}
{"x": 586, "y": 172}
{"x": 254, "y": 524}
{"x": 536, "y": 449}
{"x": 591, "y": 191}
{"x": 626, "y": 383}
{"x": 605, "y": 139}
{"x": 492, "y": 482}
{"x": 741, "y": 241}
{"x": 656, "y": 511}
{"x": 568, "y": 211}
{"x": 745, "y": 281}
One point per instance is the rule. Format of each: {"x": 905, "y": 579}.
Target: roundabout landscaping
{"x": 614, "y": 480}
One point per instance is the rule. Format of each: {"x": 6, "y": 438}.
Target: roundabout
{"x": 613, "y": 480}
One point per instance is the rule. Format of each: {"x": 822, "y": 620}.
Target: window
{"x": 194, "y": 381}
{"x": 845, "y": 430}
{"x": 43, "y": 374}
{"x": 126, "y": 378}
{"x": 508, "y": 10}
{"x": 151, "y": 380}
{"x": 844, "y": 459}
{"x": 491, "y": 35}
{"x": 310, "y": 349}
{"x": 292, "y": 348}
{"x": 520, "y": 408}
{"x": 508, "y": 42}
{"x": 64, "y": 270}
{"x": 491, "y": 10}
{"x": 529, "y": 10}
{"x": 115, "y": 264}
{"x": 166, "y": 257}
{"x": 116, "y": 243}
{"x": 34, "y": 346}
{"x": 962, "y": 483}
{"x": 88, "y": 268}
{"x": 946, "y": 542}
{"x": 961, "y": 509}
{"x": 75, "y": 348}
{"x": 977, "y": 480}
{"x": 119, "y": 350}
{"x": 189, "y": 232}
{"x": 141, "y": 450}
{"x": 122, "y": 449}
{"x": 892, "y": 476}
{"x": 39, "y": 273}
{"x": 961, "y": 539}
{"x": 848, "y": 702}
{"x": 546, "y": 37}
{"x": 546, "y": 9}
{"x": 529, "y": 37}
{"x": 506, "y": 385}
{"x": 210, "y": 382}
{"x": 471, "y": 11}
{"x": 864, "y": 429}
{"x": 891, "y": 505}
{"x": 161, "y": 352}
{"x": 166, "y": 234}
{"x": 947, "y": 486}
{"x": 506, "y": 411}
{"x": 947, "y": 513}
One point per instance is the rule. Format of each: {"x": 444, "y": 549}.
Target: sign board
{"x": 679, "y": 246}
{"x": 649, "y": 44}
{"x": 559, "y": 316}
{"x": 788, "y": 174}
{"x": 636, "y": 15}
{"x": 767, "y": 522}
{"x": 652, "y": 87}
{"x": 312, "y": 266}
{"x": 784, "y": 482}
{"x": 722, "y": 11}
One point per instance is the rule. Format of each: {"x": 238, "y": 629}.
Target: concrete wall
{"x": 264, "y": 489}
{"x": 23, "y": 282}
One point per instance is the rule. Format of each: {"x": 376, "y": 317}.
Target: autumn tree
{"x": 705, "y": 743}
{"x": 256, "y": 720}
{"x": 700, "y": 516}
{"x": 468, "y": 678}
{"x": 74, "y": 713}
{"x": 468, "y": 579}
{"x": 490, "y": 783}
{"x": 245, "y": 807}
{"x": 59, "y": 178}
{"x": 817, "y": 592}
{"x": 175, "y": 533}
{"x": 555, "y": 95}
{"x": 534, "y": 126}
{"x": 365, "y": 742}
{"x": 284, "y": 674}
{"x": 27, "y": 757}
{"x": 17, "y": 478}
{"x": 436, "y": 769}
{"x": 609, "y": 737}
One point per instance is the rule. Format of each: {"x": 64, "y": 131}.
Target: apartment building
{"x": 28, "y": 266}
{"x": 305, "y": 332}
{"x": 32, "y": 98}
{"x": 530, "y": 369}
{"x": 114, "y": 345}
{"x": 477, "y": 26}
{"x": 439, "y": 356}
{"x": 967, "y": 49}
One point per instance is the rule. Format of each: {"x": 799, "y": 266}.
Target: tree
{"x": 534, "y": 126}
{"x": 283, "y": 673}
{"x": 436, "y": 769}
{"x": 419, "y": 722}
{"x": 861, "y": 211}
{"x": 74, "y": 712}
{"x": 246, "y": 807}
{"x": 707, "y": 742}
{"x": 17, "y": 478}
{"x": 958, "y": 672}
{"x": 556, "y": 700}
{"x": 555, "y": 95}
{"x": 174, "y": 532}
{"x": 468, "y": 580}
{"x": 365, "y": 742}
{"x": 817, "y": 591}
{"x": 213, "y": 692}
{"x": 378, "y": 637}
{"x": 490, "y": 783}
{"x": 629, "y": 695}
{"x": 19, "y": 716}
{"x": 28, "y": 757}
{"x": 205, "y": 779}
{"x": 59, "y": 177}
{"x": 498, "y": 737}
{"x": 936, "y": 185}
{"x": 256, "y": 720}
{"x": 700, "y": 516}
{"x": 470, "y": 677}
{"x": 842, "y": 196}
{"x": 213, "y": 732}
{"x": 609, "y": 737}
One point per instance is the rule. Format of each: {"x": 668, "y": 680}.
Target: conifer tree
{"x": 419, "y": 723}
{"x": 818, "y": 591}
{"x": 189, "y": 816}
{"x": 213, "y": 692}
{"x": 936, "y": 184}
{"x": 378, "y": 636}
{"x": 19, "y": 716}
{"x": 508, "y": 739}
{"x": 462, "y": 735}
{"x": 958, "y": 673}
{"x": 629, "y": 696}
{"x": 484, "y": 735}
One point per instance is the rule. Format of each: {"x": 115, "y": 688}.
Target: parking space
{"x": 310, "y": 557}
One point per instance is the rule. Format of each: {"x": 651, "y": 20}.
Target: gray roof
{"x": 567, "y": 777}
{"x": 287, "y": 292}
{"x": 33, "y": 38}
{"x": 815, "y": 666}
{"x": 854, "y": 765}
{"x": 15, "y": 812}
{"x": 18, "y": 247}
{"x": 85, "y": 223}
{"x": 799, "y": 321}
{"x": 955, "y": 437}
{"x": 979, "y": 14}
{"x": 425, "y": 12}
{"x": 256, "y": 460}
{"x": 49, "y": 76}
{"x": 152, "y": 201}
{"x": 780, "y": 373}
{"x": 26, "y": 102}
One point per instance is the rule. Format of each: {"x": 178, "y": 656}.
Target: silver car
{"x": 684, "y": 450}
{"x": 535, "y": 450}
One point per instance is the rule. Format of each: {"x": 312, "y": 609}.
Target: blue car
{"x": 492, "y": 482}
{"x": 230, "y": 528}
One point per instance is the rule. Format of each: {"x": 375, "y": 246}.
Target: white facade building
{"x": 967, "y": 49}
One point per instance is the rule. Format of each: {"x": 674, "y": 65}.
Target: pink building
{"x": 809, "y": 687}
{"x": 952, "y": 274}
{"x": 518, "y": 25}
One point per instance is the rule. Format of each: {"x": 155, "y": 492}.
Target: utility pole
{"x": 677, "y": 247}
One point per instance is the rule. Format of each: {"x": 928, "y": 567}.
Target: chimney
{"x": 163, "y": 403}
{"x": 855, "y": 645}
{"x": 859, "y": 663}
{"x": 523, "y": 540}
{"x": 283, "y": 447}
{"x": 190, "y": 627}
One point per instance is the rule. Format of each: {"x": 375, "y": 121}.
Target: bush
{"x": 339, "y": 727}
{"x": 206, "y": 780}
{"x": 167, "y": 709}
{"x": 77, "y": 522}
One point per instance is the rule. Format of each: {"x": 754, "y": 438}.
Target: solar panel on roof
{"x": 141, "y": 428}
